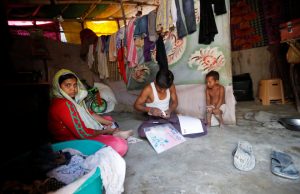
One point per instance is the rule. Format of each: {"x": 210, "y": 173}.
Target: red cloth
{"x": 121, "y": 63}
{"x": 65, "y": 124}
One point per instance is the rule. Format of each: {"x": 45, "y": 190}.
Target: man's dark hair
{"x": 62, "y": 78}
{"x": 213, "y": 74}
{"x": 164, "y": 79}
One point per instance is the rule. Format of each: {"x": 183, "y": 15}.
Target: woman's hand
{"x": 155, "y": 112}
{"x": 109, "y": 130}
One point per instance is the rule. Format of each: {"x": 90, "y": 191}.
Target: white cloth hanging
{"x": 101, "y": 61}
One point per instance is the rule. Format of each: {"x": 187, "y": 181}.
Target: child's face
{"x": 211, "y": 82}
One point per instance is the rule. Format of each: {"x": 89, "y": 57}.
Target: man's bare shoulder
{"x": 147, "y": 89}
{"x": 173, "y": 88}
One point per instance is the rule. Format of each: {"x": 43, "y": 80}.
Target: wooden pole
{"x": 123, "y": 13}
{"x": 90, "y": 9}
{"x": 48, "y": 2}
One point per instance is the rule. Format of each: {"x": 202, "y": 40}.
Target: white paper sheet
{"x": 190, "y": 125}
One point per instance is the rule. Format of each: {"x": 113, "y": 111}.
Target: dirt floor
{"x": 204, "y": 165}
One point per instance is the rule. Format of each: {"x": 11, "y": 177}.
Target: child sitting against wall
{"x": 215, "y": 98}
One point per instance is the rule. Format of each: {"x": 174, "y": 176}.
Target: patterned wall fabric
{"x": 188, "y": 60}
{"x": 247, "y": 24}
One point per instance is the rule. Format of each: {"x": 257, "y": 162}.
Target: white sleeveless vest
{"x": 157, "y": 103}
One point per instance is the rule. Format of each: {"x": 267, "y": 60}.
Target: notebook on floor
{"x": 163, "y": 137}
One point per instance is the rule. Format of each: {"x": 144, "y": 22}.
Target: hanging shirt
{"x": 164, "y": 17}
{"x": 152, "y": 26}
{"x": 208, "y": 27}
{"x": 174, "y": 12}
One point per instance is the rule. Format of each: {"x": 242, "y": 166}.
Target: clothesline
{"x": 132, "y": 46}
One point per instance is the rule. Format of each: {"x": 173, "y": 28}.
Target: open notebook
{"x": 190, "y": 125}
{"x": 163, "y": 137}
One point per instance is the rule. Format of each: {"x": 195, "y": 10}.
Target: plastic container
{"x": 94, "y": 183}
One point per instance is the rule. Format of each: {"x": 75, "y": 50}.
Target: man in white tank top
{"x": 159, "y": 98}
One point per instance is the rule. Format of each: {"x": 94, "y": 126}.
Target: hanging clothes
{"x": 105, "y": 43}
{"x": 208, "y": 27}
{"x": 112, "y": 51}
{"x": 121, "y": 64}
{"x": 174, "y": 12}
{"x": 120, "y": 38}
{"x": 101, "y": 61}
{"x": 189, "y": 14}
{"x": 161, "y": 55}
{"x": 148, "y": 47}
{"x": 164, "y": 17}
{"x": 181, "y": 30}
{"x": 87, "y": 37}
{"x": 190, "y": 18}
{"x": 141, "y": 26}
{"x": 92, "y": 59}
{"x": 131, "y": 49}
{"x": 152, "y": 26}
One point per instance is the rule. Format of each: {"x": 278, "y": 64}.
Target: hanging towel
{"x": 131, "y": 49}
{"x": 101, "y": 61}
{"x": 112, "y": 50}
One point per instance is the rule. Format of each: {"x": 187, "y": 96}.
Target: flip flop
{"x": 243, "y": 157}
{"x": 282, "y": 165}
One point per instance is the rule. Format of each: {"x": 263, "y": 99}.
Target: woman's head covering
{"x": 59, "y": 93}
{"x": 79, "y": 103}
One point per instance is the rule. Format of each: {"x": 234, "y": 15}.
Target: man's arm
{"x": 174, "y": 101}
{"x": 221, "y": 97}
{"x": 139, "y": 104}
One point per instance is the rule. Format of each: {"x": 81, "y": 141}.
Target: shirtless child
{"x": 215, "y": 97}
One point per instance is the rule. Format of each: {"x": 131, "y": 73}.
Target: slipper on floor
{"x": 243, "y": 157}
{"x": 249, "y": 116}
{"x": 283, "y": 165}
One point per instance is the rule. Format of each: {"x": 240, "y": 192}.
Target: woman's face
{"x": 69, "y": 86}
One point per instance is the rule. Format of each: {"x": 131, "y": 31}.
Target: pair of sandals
{"x": 281, "y": 163}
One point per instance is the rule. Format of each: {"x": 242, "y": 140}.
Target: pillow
{"x": 141, "y": 75}
{"x": 107, "y": 94}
